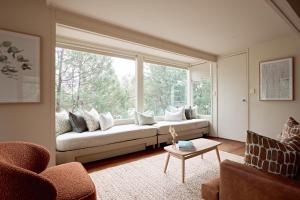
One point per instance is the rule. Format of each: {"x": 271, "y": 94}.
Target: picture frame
{"x": 276, "y": 80}
{"x": 19, "y": 67}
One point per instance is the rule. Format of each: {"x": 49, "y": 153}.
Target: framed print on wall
{"x": 19, "y": 67}
{"x": 276, "y": 79}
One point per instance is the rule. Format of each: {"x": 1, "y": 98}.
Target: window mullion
{"x": 139, "y": 84}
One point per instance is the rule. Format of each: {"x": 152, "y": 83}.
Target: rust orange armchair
{"x": 24, "y": 175}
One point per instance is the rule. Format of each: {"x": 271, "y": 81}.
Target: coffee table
{"x": 201, "y": 146}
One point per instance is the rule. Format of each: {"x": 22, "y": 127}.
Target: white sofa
{"x": 187, "y": 129}
{"x": 123, "y": 139}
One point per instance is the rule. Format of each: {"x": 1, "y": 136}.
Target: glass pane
{"x": 163, "y": 87}
{"x": 202, "y": 96}
{"x": 87, "y": 80}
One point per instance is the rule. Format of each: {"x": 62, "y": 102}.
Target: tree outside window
{"x": 87, "y": 80}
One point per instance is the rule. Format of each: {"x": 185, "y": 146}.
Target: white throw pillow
{"x": 92, "y": 119}
{"x": 106, "y": 121}
{"x": 174, "y": 116}
{"x": 174, "y": 109}
{"x": 146, "y": 118}
{"x": 194, "y": 112}
{"x": 62, "y": 123}
{"x": 148, "y": 112}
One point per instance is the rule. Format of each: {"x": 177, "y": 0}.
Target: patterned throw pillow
{"x": 106, "y": 121}
{"x": 77, "y": 122}
{"x": 291, "y": 128}
{"x": 194, "y": 112}
{"x": 92, "y": 119}
{"x": 272, "y": 156}
{"x": 62, "y": 123}
{"x": 145, "y": 118}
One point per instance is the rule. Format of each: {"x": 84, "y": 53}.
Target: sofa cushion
{"x": 291, "y": 128}
{"x": 77, "y": 122}
{"x": 92, "y": 119}
{"x": 62, "y": 123}
{"x": 272, "y": 156}
{"x": 186, "y": 125}
{"x": 72, "y": 141}
{"x": 145, "y": 119}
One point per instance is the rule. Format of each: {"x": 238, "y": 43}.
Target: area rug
{"x": 144, "y": 179}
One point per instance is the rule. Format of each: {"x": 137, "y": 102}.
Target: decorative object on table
{"x": 276, "y": 79}
{"x": 186, "y": 145}
{"x": 19, "y": 67}
{"x": 174, "y": 135}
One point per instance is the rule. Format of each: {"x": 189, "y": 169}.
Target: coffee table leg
{"x": 183, "y": 169}
{"x": 218, "y": 155}
{"x": 202, "y": 156}
{"x": 167, "y": 162}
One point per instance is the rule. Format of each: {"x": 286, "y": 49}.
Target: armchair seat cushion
{"x": 71, "y": 181}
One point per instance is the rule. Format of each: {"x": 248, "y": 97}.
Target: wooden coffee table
{"x": 201, "y": 146}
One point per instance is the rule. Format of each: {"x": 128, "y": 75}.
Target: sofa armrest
{"x": 238, "y": 181}
{"x": 210, "y": 190}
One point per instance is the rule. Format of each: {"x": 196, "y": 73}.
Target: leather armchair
{"x": 240, "y": 182}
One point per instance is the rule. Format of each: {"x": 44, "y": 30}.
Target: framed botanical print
{"x": 276, "y": 79}
{"x": 19, "y": 67}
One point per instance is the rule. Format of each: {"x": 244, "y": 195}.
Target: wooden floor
{"x": 229, "y": 146}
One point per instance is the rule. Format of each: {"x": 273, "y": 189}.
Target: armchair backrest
{"x": 25, "y": 155}
{"x": 20, "y": 165}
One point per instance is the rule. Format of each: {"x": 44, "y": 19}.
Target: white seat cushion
{"x": 72, "y": 141}
{"x": 185, "y": 125}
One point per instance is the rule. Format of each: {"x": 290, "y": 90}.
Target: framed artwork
{"x": 276, "y": 79}
{"x": 19, "y": 67}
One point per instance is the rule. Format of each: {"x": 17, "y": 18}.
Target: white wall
{"x": 32, "y": 122}
{"x": 268, "y": 117}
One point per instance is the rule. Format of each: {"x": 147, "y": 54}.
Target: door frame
{"x": 246, "y": 52}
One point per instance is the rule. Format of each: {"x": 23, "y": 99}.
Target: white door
{"x": 233, "y": 97}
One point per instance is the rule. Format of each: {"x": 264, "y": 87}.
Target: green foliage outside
{"x": 87, "y": 80}
{"x": 202, "y": 96}
{"x": 164, "y": 87}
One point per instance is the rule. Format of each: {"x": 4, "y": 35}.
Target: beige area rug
{"x": 144, "y": 179}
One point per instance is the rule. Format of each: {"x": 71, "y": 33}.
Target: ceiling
{"x": 215, "y": 26}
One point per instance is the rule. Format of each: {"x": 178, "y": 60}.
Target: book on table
{"x": 186, "y": 145}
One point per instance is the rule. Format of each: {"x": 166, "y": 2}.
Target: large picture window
{"x": 88, "y": 80}
{"x": 163, "y": 87}
{"x": 202, "y": 96}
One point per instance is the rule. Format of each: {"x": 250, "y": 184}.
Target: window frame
{"x": 140, "y": 59}
{"x": 164, "y": 64}
{"x": 211, "y": 94}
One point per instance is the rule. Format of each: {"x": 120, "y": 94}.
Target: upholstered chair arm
{"x": 17, "y": 183}
{"x": 25, "y": 155}
{"x": 238, "y": 181}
